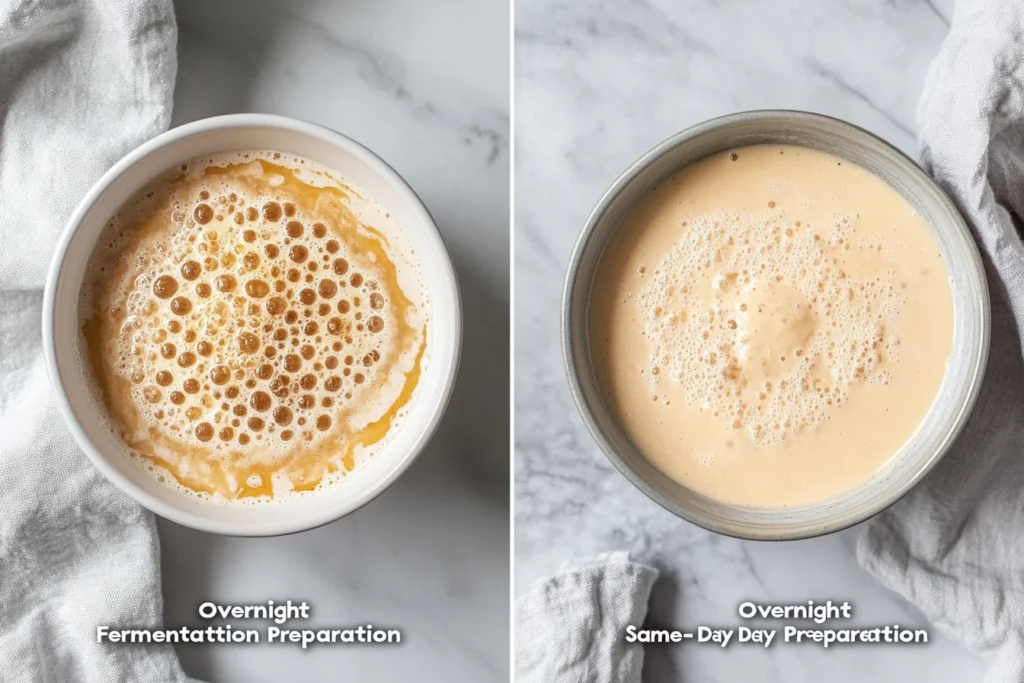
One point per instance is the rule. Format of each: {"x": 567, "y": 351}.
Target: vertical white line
{"x": 512, "y": 332}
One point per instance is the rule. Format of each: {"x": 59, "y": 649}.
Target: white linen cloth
{"x": 570, "y": 627}
{"x": 81, "y": 83}
{"x": 955, "y": 546}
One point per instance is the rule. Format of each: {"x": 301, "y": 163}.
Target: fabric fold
{"x": 955, "y": 546}
{"x": 82, "y": 82}
{"x": 571, "y": 626}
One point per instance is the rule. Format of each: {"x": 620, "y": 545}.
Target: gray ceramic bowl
{"x": 956, "y": 395}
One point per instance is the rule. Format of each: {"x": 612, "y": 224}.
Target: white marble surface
{"x": 425, "y": 86}
{"x": 597, "y": 84}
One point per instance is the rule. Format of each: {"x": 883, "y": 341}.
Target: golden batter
{"x": 248, "y": 333}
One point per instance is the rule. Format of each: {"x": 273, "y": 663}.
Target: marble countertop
{"x": 426, "y": 87}
{"x": 596, "y": 85}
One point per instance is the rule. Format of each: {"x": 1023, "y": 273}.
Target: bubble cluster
{"x": 252, "y": 335}
{"x": 254, "y": 327}
{"x": 767, "y": 323}
{"x": 242, "y": 324}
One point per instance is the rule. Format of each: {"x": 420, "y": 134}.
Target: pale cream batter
{"x": 770, "y": 325}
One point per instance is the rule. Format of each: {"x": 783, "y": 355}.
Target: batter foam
{"x": 759, "y": 322}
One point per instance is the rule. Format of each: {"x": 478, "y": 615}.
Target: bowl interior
{"x": 355, "y": 164}
{"x": 970, "y": 336}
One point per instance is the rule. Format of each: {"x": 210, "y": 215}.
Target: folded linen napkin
{"x": 81, "y": 83}
{"x": 955, "y": 546}
{"x": 570, "y": 627}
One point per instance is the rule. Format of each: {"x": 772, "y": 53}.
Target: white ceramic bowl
{"x": 62, "y": 338}
{"x": 964, "y": 371}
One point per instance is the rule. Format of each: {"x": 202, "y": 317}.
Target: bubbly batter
{"x": 250, "y": 336}
{"x": 770, "y": 325}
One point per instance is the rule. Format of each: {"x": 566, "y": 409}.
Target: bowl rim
{"x": 570, "y": 361}
{"x": 446, "y": 280}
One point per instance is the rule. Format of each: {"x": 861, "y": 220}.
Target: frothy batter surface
{"x": 771, "y": 325}
{"x": 250, "y": 335}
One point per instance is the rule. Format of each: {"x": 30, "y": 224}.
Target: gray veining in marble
{"x": 426, "y": 86}
{"x": 597, "y": 84}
